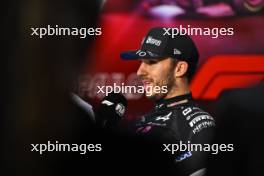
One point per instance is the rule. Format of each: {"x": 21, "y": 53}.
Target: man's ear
{"x": 181, "y": 68}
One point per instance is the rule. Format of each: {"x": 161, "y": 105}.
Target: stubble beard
{"x": 171, "y": 87}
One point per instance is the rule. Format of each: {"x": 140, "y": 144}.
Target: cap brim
{"x": 138, "y": 54}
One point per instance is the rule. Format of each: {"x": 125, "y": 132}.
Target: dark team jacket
{"x": 178, "y": 121}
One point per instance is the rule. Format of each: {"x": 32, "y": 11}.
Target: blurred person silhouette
{"x": 240, "y": 114}
{"x": 38, "y": 76}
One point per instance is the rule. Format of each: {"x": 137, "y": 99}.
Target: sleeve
{"x": 197, "y": 128}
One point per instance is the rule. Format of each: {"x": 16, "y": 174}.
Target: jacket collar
{"x": 174, "y": 101}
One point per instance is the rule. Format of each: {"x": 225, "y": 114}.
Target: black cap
{"x": 157, "y": 44}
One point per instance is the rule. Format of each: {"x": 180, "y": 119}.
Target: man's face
{"x": 157, "y": 75}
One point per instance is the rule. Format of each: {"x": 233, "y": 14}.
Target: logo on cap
{"x": 153, "y": 41}
{"x": 176, "y": 51}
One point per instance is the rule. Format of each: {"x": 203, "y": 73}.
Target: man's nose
{"x": 142, "y": 69}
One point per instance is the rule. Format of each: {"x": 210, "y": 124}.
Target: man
{"x": 171, "y": 62}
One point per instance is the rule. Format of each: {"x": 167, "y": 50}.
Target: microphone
{"x": 111, "y": 110}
